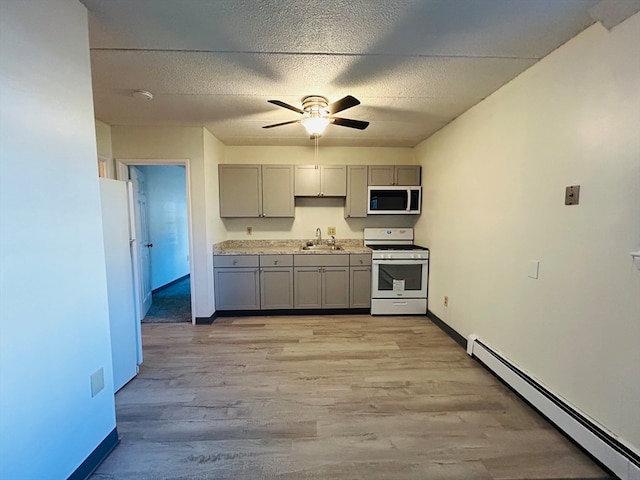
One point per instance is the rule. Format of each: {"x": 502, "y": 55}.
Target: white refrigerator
{"x": 119, "y": 241}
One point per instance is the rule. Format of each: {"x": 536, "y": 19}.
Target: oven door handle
{"x": 401, "y": 261}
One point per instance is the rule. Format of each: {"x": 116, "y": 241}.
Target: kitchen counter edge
{"x": 285, "y": 247}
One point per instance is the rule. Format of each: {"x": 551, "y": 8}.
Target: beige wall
{"x": 494, "y": 200}
{"x": 311, "y": 213}
{"x": 184, "y": 143}
{"x": 103, "y": 139}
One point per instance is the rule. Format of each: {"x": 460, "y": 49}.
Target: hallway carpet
{"x": 171, "y": 304}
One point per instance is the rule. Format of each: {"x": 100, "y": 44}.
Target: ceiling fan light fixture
{"x": 315, "y": 125}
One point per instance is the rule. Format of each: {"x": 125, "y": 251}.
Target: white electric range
{"x": 399, "y": 273}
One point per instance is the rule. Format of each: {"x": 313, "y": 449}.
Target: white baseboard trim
{"x": 621, "y": 459}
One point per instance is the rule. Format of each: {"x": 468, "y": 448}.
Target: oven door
{"x": 399, "y": 278}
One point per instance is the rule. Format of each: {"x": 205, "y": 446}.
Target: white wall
{"x": 54, "y": 320}
{"x": 311, "y": 213}
{"x": 168, "y": 226}
{"x": 494, "y": 200}
{"x": 182, "y": 143}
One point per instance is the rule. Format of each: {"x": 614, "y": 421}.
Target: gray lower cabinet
{"x": 236, "y": 282}
{"x": 360, "y": 281}
{"x": 321, "y": 281}
{"x": 283, "y": 282}
{"x": 307, "y": 287}
{"x": 335, "y": 287}
{"x": 276, "y": 282}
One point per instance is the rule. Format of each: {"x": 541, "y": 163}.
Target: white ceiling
{"x": 414, "y": 64}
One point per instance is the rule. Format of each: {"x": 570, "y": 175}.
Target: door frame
{"x": 122, "y": 173}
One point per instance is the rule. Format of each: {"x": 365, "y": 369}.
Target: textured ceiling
{"x": 415, "y": 65}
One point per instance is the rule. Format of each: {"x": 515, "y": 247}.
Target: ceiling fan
{"x": 317, "y": 113}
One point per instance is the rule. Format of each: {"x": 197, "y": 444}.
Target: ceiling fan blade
{"x": 343, "y": 104}
{"x": 281, "y": 124}
{"x": 347, "y": 122}
{"x": 280, "y": 103}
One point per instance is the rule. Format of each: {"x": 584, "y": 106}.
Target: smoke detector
{"x": 142, "y": 94}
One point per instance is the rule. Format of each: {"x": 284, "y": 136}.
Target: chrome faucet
{"x": 318, "y": 236}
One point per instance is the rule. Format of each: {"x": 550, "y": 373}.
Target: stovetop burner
{"x": 396, "y": 247}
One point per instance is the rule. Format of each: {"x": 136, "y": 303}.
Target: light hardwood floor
{"x": 326, "y": 397}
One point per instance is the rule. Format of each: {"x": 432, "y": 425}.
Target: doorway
{"x": 163, "y": 241}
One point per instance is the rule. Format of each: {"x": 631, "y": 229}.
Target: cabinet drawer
{"x": 276, "y": 260}
{"x": 235, "y": 261}
{"x": 358, "y": 259}
{"x": 321, "y": 260}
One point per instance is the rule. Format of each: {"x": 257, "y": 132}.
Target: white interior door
{"x": 144, "y": 242}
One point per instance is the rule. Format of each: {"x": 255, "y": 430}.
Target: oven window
{"x": 411, "y": 274}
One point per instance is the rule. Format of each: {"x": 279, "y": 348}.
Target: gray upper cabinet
{"x": 356, "y": 202}
{"x": 256, "y": 190}
{"x": 407, "y": 175}
{"x": 321, "y": 180}
{"x": 240, "y": 190}
{"x": 277, "y": 191}
{"x": 394, "y": 175}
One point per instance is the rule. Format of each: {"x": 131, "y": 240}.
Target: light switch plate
{"x": 572, "y": 195}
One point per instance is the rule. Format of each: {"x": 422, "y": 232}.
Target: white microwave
{"x": 385, "y": 200}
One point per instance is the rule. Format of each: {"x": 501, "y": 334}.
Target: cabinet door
{"x": 307, "y": 181}
{"x": 381, "y": 175}
{"x": 277, "y": 191}
{"x": 237, "y": 288}
{"x": 333, "y": 180}
{"x": 355, "y": 205}
{"x": 335, "y": 287}
{"x": 240, "y": 190}
{"x": 307, "y": 287}
{"x": 276, "y": 288}
{"x": 360, "y": 287}
{"x": 407, "y": 175}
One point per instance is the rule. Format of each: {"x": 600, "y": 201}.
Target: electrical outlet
{"x": 249, "y": 230}
{"x": 331, "y": 230}
{"x": 572, "y": 195}
{"x": 446, "y": 301}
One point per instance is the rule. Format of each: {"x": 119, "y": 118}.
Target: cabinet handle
{"x": 275, "y": 262}
{"x": 234, "y": 262}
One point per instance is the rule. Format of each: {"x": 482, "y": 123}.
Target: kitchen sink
{"x": 321, "y": 248}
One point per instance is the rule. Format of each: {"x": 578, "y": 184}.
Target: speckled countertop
{"x": 284, "y": 247}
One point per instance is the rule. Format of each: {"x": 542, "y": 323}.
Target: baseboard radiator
{"x": 621, "y": 459}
